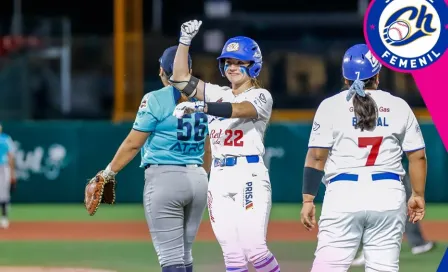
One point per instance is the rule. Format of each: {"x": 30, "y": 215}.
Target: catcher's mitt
{"x": 99, "y": 190}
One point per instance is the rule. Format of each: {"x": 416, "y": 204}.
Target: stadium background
{"x": 72, "y": 74}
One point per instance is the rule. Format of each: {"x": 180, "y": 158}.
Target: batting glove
{"x": 188, "y": 30}
{"x": 187, "y": 108}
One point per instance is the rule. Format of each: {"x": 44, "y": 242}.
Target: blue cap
{"x": 167, "y": 60}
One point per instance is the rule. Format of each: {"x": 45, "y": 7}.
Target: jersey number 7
{"x": 375, "y": 142}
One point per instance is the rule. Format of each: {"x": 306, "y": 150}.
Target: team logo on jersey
{"x": 143, "y": 104}
{"x": 216, "y": 118}
{"x": 407, "y": 34}
{"x": 248, "y": 195}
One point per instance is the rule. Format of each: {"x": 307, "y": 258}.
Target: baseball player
{"x": 359, "y": 135}
{"x": 239, "y": 196}
{"x": 7, "y": 176}
{"x": 172, "y": 152}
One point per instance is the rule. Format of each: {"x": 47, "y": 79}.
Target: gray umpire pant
{"x": 412, "y": 231}
{"x": 5, "y": 184}
{"x": 174, "y": 199}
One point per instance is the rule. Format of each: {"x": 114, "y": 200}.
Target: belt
{"x": 182, "y": 165}
{"x": 231, "y": 161}
{"x": 378, "y": 176}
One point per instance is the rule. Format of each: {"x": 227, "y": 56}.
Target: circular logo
{"x": 407, "y": 35}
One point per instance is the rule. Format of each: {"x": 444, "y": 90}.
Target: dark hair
{"x": 365, "y": 108}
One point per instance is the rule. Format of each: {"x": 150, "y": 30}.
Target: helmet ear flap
{"x": 254, "y": 69}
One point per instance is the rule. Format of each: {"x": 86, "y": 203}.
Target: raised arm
{"x": 181, "y": 78}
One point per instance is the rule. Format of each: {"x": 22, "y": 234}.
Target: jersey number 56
{"x": 187, "y": 128}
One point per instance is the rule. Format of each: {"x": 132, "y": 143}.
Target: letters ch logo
{"x": 398, "y": 30}
{"x": 407, "y": 34}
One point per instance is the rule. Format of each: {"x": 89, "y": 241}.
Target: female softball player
{"x": 359, "y": 135}
{"x": 172, "y": 151}
{"x": 239, "y": 196}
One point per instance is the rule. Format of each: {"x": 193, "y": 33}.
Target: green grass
{"x": 140, "y": 256}
{"x": 133, "y": 212}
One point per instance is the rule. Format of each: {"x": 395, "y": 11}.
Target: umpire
{"x": 7, "y": 176}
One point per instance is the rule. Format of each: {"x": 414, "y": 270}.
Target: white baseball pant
{"x": 363, "y": 217}
{"x": 239, "y": 204}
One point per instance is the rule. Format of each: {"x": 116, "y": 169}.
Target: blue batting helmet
{"x": 245, "y": 49}
{"x": 359, "y": 63}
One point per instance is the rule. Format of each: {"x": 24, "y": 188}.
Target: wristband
{"x": 108, "y": 171}
{"x": 311, "y": 180}
{"x": 220, "y": 109}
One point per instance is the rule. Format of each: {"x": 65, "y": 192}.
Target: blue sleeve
{"x": 148, "y": 114}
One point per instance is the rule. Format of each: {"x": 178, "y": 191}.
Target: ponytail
{"x": 364, "y": 107}
{"x": 255, "y": 83}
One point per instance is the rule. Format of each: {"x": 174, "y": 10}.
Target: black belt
{"x": 182, "y": 165}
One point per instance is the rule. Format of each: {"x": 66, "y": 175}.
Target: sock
{"x": 4, "y": 209}
{"x": 189, "y": 268}
{"x": 268, "y": 264}
{"x": 237, "y": 269}
{"x": 174, "y": 268}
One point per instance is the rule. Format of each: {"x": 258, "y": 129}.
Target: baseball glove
{"x": 100, "y": 189}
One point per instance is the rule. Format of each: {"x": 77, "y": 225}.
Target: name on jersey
{"x": 381, "y": 122}
{"x": 187, "y": 148}
{"x": 248, "y": 204}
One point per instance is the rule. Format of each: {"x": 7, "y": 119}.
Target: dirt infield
{"x": 138, "y": 231}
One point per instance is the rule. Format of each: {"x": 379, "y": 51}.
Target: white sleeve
{"x": 322, "y": 130}
{"x": 262, "y": 101}
{"x": 214, "y": 93}
{"x": 413, "y": 138}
